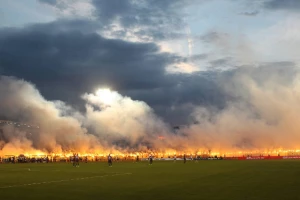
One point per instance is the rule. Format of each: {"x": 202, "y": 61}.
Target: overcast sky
{"x": 174, "y": 55}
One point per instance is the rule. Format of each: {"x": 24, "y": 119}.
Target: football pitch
{"x": 214, "y": 179}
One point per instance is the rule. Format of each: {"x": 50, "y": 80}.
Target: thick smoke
{"x": 54, "y": 132}
{"x": 111, "y": 122}
{"x": 262, "y": 114}
{"x": 123, "y": 122}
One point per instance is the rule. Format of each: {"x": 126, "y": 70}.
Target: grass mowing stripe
{"x": 74, "y": 179}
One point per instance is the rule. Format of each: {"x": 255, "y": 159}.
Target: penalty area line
{"x": 64, "y": 180}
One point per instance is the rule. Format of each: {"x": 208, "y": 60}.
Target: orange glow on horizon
{"x": 167, "y": 153}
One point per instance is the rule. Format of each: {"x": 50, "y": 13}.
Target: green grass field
{"x": 218, "y": 179}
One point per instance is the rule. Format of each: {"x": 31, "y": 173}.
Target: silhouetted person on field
{"x": 150, "y": 160}
{"x": 109, "y": 159}
{"x": 77, "y": 160}
{"x": 74, "y": 160}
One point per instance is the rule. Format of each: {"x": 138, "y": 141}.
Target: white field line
{"x": 65, "y": 180}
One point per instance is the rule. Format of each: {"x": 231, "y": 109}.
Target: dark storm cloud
{"x": 64, "y": 62}
{"x": 282, "y": 4}
{"x": 176, "y": 102}
{"x": 200, "y": 88}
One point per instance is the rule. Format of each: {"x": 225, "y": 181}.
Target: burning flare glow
{"x": 165, "y": 154}
{"x": 119, "y": 125}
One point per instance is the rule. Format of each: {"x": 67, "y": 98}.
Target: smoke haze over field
{"x": 229, "y": 79}
{"x": 262, "y": 114}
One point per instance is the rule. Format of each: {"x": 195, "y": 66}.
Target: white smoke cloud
{"x": 114, "y": 122}
{"x": 263, "y": 114}
{"x": 115, "y": 118}
{"x": 21, "y": 101}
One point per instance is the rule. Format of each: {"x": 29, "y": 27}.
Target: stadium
{"x": 149, "y": 99}
{"x": 143, "y": 174}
